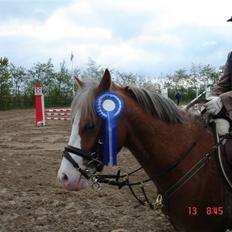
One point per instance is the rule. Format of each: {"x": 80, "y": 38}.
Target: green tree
{"x": 5, "y": 84}
{"x": 93, "y": 71}
{"x": 18, "y": 76}
{"x": 60, "y": 93}
{"x": 43, "y": 73}
{"x": 209, "y": 74}
{"x": 126, "y": 78}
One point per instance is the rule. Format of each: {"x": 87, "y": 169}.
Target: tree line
{"x": 17, "y": 82}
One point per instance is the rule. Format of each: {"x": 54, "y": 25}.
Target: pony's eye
{"x": 89, "y": 126}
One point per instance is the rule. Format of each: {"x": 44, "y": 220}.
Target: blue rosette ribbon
{"x": 108, "y": 107}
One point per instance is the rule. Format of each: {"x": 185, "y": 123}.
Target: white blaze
{"x": 68, "y": 176}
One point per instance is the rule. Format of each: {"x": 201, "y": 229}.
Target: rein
{"x": 161, "y": 198}
{"x": 95, "y": 165}
{"x": 120, "y": 181}
{"x": 123, "y": 180}
{"x": 193, "y": 170}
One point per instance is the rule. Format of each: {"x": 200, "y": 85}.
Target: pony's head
{"x": 84, "y": 154}
{"x": 86, "y": 135}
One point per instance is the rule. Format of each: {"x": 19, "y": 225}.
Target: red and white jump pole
{"x": 42, "y": 114}
{"x": 39, "y": 106}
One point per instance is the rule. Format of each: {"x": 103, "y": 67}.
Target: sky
{"x": 151, "y": 37}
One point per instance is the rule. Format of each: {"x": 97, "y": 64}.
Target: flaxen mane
{"x": 150, "y": 101}
{"x": 84, "y": 100}
{"x": 155, "y": 104}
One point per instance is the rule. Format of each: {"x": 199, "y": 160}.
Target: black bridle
{"x": 94, "y": 164}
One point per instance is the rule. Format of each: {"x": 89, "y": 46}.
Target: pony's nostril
{"x": 64, "y": 177}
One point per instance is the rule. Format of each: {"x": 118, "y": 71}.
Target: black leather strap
{"x": 79, "y": 152}
{"x": 70, "y": 159}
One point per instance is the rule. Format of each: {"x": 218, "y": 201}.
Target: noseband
{"x": 94, "y": 164}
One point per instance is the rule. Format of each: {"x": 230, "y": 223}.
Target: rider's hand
{"x": 214, "y": 105}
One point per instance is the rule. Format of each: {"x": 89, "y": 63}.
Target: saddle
{"x": 225, "y": 159}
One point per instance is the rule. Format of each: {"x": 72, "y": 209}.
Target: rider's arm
{"x": 221, "y": 95}
{"x": 227, "y": 102}
{"x": 224, "y": 83}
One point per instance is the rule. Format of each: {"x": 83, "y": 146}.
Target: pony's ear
{"x": 79, "y": 82}
{"x": 106, "y": 81}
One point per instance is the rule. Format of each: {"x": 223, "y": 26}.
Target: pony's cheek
{"x": 121, "y": 136}
{"x": 88, "y": 141}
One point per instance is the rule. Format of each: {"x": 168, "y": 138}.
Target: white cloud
{"x": 144, "y": 36}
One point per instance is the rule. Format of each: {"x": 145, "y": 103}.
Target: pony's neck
{"x": 157, "y": 144}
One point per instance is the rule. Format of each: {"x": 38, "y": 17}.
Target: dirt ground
{"x": 32, "y": 200}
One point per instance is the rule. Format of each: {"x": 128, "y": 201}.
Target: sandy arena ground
{"x": 32, "y": 200}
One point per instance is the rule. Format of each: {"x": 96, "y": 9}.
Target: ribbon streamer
{"x": 109, "y": 106}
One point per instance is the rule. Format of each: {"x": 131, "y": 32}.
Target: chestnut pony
{"x": 167, "y": 143}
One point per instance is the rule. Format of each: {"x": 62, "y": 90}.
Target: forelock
{"x": 84, "y": 101}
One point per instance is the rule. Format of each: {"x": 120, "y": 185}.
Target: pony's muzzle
{"x": 71, "y": 182}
